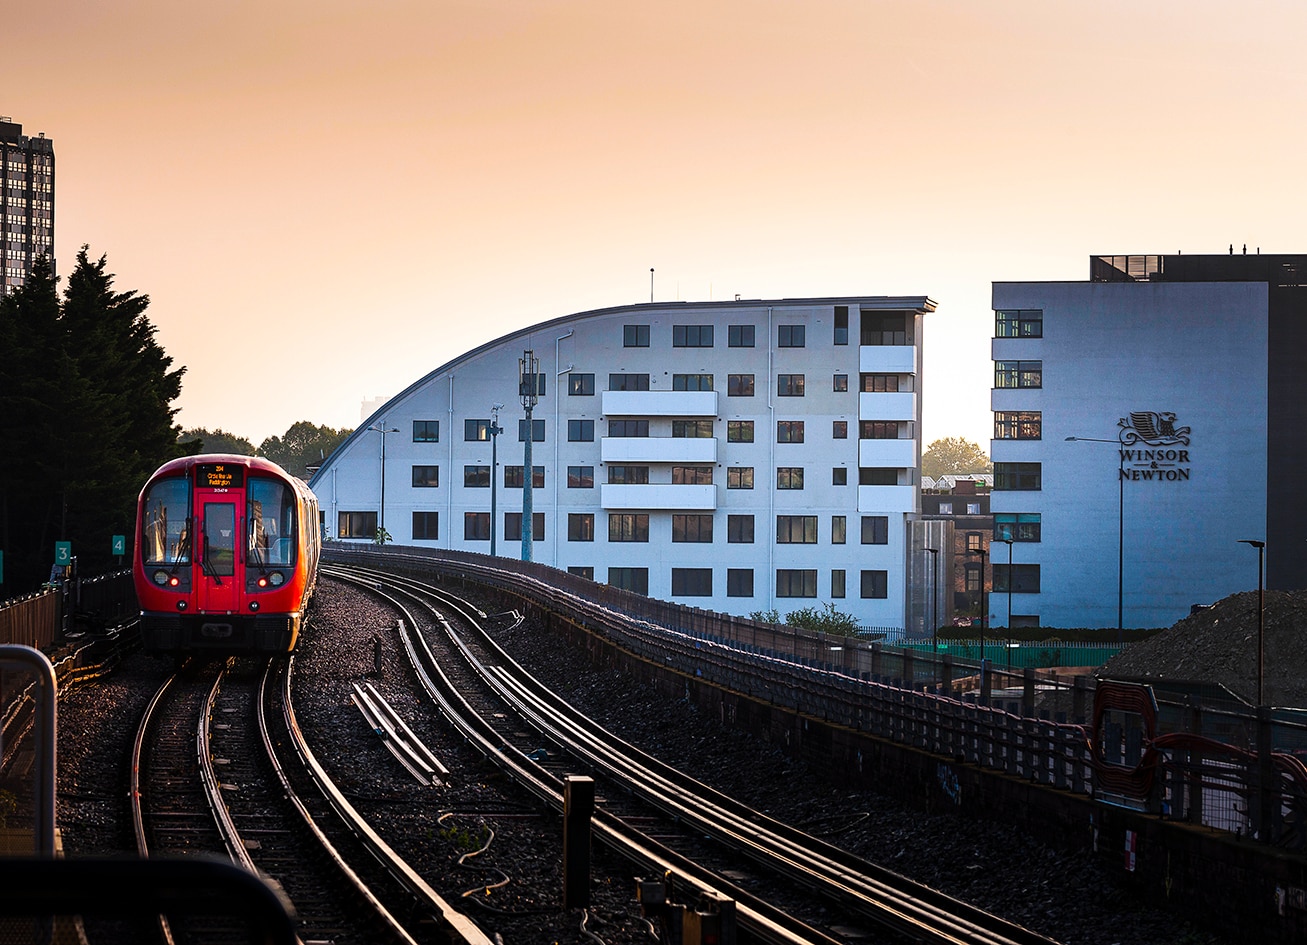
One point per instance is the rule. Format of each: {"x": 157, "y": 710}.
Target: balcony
{"x": 887, "y": 359}
{"x": 888, "y": 406}
{"x": 900, "y": 454}
{"x": 887, "y": 499}
{"x": 660, "y": 403}
{"x": 659, "y": 497}
{"x": 657, "y": 449}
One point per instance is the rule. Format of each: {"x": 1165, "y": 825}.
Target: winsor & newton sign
{"x": 1152, "y": 448}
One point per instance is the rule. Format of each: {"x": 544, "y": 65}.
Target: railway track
{"x": 220, "y": 766}
{"x": 866, "y": 895}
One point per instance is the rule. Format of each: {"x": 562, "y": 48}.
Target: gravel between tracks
{"x": 1057, "y": 894}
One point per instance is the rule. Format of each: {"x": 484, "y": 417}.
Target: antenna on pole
{"x": 651, "y": 283}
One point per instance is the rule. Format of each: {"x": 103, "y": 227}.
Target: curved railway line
{"x": 864, "y": 893}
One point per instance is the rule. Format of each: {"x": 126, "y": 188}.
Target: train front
{"x": 220, "y": 566}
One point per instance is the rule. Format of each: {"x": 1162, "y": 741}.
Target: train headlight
{"x": 276, "y": 579}
{"x": 254, "y": 605}
{"x": 181, "y": 605}
{"x": 161, "y": 578}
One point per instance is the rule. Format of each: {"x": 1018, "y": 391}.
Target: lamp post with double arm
{"x": 1261, "y": 613}
{"x": 381, "y": 511}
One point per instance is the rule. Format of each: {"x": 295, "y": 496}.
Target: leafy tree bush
{"x": 954, "y": 456}
{"x": 200, "y": 440}
{"x": 304, "y": 445}
{"x": 824, "y": 618}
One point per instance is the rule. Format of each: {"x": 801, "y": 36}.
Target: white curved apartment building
{"x": 736, "y": 456}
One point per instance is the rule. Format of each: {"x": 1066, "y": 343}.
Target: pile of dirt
{"x": 1219, "y": 645}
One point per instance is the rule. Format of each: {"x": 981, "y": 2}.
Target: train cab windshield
{"x": 166, "y": 511}
{"x": 271, "y": 528}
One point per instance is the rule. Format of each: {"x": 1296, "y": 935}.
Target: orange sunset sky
{"x": 326, "y": 200}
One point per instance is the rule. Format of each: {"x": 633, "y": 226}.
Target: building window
{"x": 426, "y": 477}
{"x": 1025, "y": 578}
{"x": 513, "y": 477}
{"x": 426, "y": 526}
{"x": 426, "y": 431}
{"x": 972, "y": 578}
{"x": 635, "y": 336}
{"x": 537, "y": 431}
{"x": 946, "y": 508}
{"x": 1016, "y": 526}
{"x": 875, "y": 529}
{"x": 796, "y": 529}
{"x": 1017, "y": 374}
{"x": 476, "y": 431}
{"x": 739, "y": 336}
{"x": 875, "y": 585}
{"x": 739, "y": 385}
{"x": 886, "y": 328}
{"x": 789, "y": 477}
{"x": 885, "y": 429}
{"x": 630, "y": 579}
{"x": 476, "y": 477}
{"x": 837, "y": 583}
{"x": 878, "y": 476}
{"x": 1017, "y": 424}
{"x": 476, "y": 526}
{"x": 1019, "y": 323}
{"x": 796, "y": 582}
{"x": 973, "y": 508}
{"x": 356, "y": 525}
{"x": 692, "y": 336}
{"x": 628, "y": 526}
{"x": 839, "y": 476}
{"x": 789, "y": 431}
{"x": 973, "y": 542}
{"x": 513, "y": 526}
{"x": 841, "y": 383}
{"x": 580, "y": 431}
{"x": 789, "y": 385}
{"x": 739, "y": 582}
{"x": 691, "y": 382}
{"x": 884, "y": 383}
{"x": 628, "y": 381}
{"x": 841, "y": 324}
{"x": 739, "y": 477}
{"x": 839, "y": 429}
{"x": 582, "y": 571}
{"x": 739, "y": 431}
{"x": 692, "y": 429}
{"x": 692, "y": 582}
{"x": 791, "y": 336}
{"x": 1017, "y": 477}
{"x": 580, "y": 385}
{"x": 629, "y": 475}
{"x": 694, "y": 527}
{"x": 692, "y": 475}
{"x": 628, "y": 427}
{"x": 739, "y": 529}
{"x": 580, "y": 477}
{"x": 839, "y": 529}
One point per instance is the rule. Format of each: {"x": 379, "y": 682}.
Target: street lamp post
{"x": 381, "y": 512}
{"x": 1120, "y": 534}
{"x": 984, "y": 608}
{"x": 1008, "y": 542}
{"x": 495, "y": 430}
{"x": 1261, "y": 613}
{"x": 528, "y": 370}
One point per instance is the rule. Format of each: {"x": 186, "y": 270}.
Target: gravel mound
{"x": 1219, "y": 645}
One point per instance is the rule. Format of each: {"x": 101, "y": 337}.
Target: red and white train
{"x": 226, "y": 556}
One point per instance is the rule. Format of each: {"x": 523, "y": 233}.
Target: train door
{"x": 218, "y": 517}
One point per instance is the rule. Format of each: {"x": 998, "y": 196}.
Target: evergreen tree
{"x": 86, "y": 406}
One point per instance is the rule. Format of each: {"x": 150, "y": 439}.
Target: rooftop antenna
{"x": 651, "y": 283}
